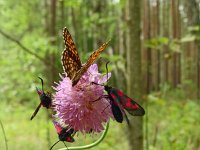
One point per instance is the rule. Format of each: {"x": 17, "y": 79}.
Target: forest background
{"x": 155, "y": 59}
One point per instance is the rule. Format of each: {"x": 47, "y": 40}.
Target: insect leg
{"x": 105, "y": 108}
{"x": 65, "y": 145}
{"x": 126, "y": 117}
{"x": 102, "y": 96}
{"x": 54, "y": 145}
{"x": 127, "y": 120}
{"x": 36, "y": 111}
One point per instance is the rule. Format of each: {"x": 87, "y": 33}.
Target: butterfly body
{"x": 71, "y": 60}
{"x": 45, "y": 100}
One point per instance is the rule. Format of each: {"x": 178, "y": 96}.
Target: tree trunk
{"x": 146, "y": 63}
{"x": 165, "y": 52}
{"x": 175, "y": 35}
{"x": 155, "y": 52}
{"x": 62, "y": 11}
{"x": 135, "y": 133}
{"x": 193, "y": 16}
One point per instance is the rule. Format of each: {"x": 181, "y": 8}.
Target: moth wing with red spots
{"x": 127, "y": 103}
{"x": 58, "y": 127}
{"x": 70, "y": 139}
{"x": 117, "y": 112}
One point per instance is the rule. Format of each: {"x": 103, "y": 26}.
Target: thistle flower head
{"x": 78, "y": 106}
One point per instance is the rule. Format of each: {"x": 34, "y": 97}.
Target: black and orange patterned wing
{"x": 70, "y": 58}
{"x": 95, "y": 55}
{"x": 89, "y": 62}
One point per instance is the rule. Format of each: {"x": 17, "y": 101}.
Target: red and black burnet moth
{"x": 45, "y": 99}
{"x": 64, "y": 134}
{"x": 119, "y": 101}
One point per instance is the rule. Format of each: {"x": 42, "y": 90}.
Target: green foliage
{"x": 173, "y": 124}
{"x": 158, "y": 43}
{"x": 192, "y": 35}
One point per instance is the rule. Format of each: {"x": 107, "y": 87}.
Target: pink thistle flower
{"x": 76, "y": 106}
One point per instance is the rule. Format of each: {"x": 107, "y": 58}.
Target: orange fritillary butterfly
{"x": 71, "y": 60}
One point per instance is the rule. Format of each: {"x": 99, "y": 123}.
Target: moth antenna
{"x": 65, "y": 145}
{"x": 42, "y": 83}
{"x": 97, "y": 84}
{"x": 54, "y": 144}
{"x": 107, "y": 70}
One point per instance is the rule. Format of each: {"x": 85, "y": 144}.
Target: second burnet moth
{"x": 120, "y": 102}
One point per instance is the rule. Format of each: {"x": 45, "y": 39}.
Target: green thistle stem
{"x": 4, "y": 134}
{"x": 90, "y": 145}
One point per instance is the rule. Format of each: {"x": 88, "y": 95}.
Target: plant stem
{"x": 4, "y": 135}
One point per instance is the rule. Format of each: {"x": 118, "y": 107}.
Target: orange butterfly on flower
{"x": 71, "y": 60}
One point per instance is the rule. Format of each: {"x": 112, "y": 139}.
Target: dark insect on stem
{"x": 45, "y": 99}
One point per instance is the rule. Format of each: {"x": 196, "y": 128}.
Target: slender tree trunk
{"x": 62, "y": 11}
{"x": 46, "y": 15}
{"x": 155, "y": 52}
{"x": 147, "y": 51}
{"x": 193, "y": 16}
{"x": 50, "y": 69}
{"x": 146, "y": 64}
{"x": 175, "y": 35}
{"x": 53, "y": 21}
{"x": 134, "y": 72}
{"x": 165, "y": 33}
{"x": 158, "y": 35}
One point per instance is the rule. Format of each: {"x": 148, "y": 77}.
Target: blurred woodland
{"x": 154, "y": 57}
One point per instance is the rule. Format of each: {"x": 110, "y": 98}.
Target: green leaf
{"x": 188, "y": 38}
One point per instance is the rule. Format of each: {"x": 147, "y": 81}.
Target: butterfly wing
{"x": 70, "y": 58}
{"x": 89, "y": 62}
{"x": 95, "y": 55}
{"x": 127, "y": 103}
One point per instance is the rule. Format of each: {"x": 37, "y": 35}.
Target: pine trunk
{"x": 134, "y": 71}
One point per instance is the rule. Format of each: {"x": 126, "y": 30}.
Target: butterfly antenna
{"x": 42, "y": 83}
{"x": 54, "y": 145}
{"x": 107, "y": 70}
{"x": 65, "y": 145}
